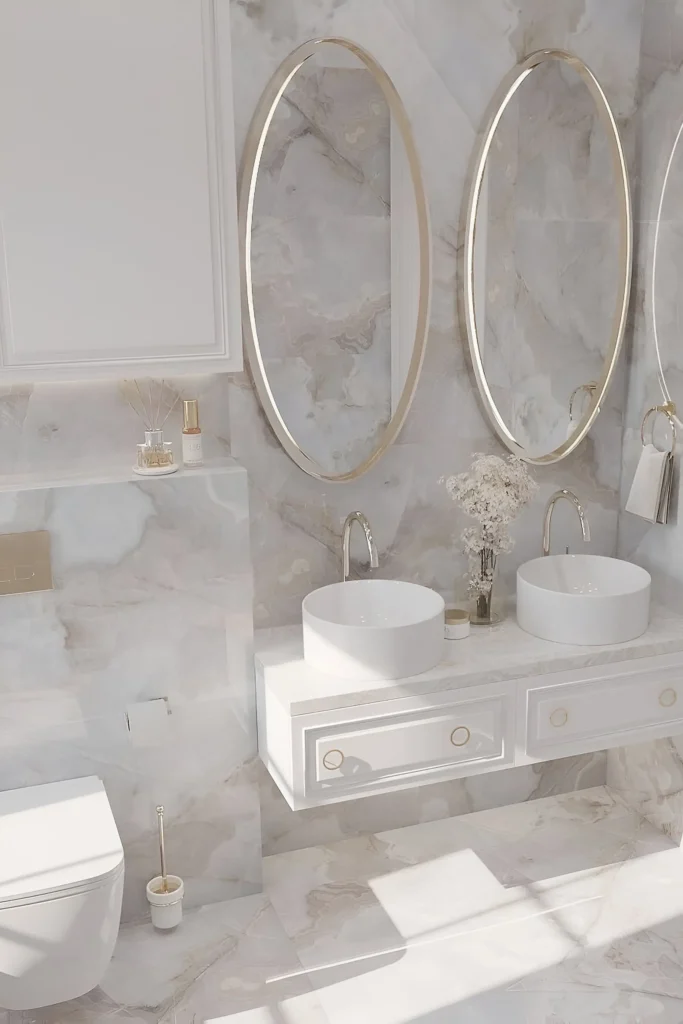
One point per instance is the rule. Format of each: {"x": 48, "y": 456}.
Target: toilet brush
{"x": 165, "y": 892}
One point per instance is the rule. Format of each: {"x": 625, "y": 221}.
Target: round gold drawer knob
{"x": 333, "y": 760}
{"x": 559, "y": 717}
{"x": 668, "y": 698}
{"x": 461, "y": 736}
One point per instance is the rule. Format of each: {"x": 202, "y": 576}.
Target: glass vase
{"x": 482, "y": 612}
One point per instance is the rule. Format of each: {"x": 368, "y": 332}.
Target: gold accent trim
{"x": 668, "y": 410}
{"x": 333, "y": 767}
{"x": 668, "y": 703}
{"x": 461, "y": 728}
{"x": 555, "y": 722}
{"x": 504, "y": 94}
{"x": 25, "y": 563}
{"x": 190, "y": 414}
{"x": 456, "y": 616}
{"x": 251, "y": 159}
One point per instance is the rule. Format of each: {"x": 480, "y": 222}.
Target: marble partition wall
{"x": 446, "y": 60}
{"x": 650, "y": 776}
{"x": 152, "y": 599}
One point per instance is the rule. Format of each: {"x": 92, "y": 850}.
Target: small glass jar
{"x": 155, "y": 456}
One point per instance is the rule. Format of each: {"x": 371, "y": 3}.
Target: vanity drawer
{"x": 423, "y": 740}
{"x": 604, "y": 708}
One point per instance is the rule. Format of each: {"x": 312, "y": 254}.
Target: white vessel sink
{"x": 373, "y": 629}
{"x": 583, "y": 599}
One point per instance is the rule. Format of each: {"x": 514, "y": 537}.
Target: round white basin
{"x": 583, "y": 599}
{"x": 373, "y": 629}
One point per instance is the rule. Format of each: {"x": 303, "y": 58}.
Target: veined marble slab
{"x": 488, "y": 655}
{"x": 84, "y": 473}
{"x": 231, "y": 959}
{"x": 565, "y": 910}
{"x": 152, "y": 599}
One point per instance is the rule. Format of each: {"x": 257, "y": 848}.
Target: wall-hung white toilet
{"x": 61, "y": 883}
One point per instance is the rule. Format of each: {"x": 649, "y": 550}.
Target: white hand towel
{"x": 645, "y": 499}
{"x": 667, "y": 490}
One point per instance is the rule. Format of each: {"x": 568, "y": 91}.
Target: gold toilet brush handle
{"x": 162, "y": 849}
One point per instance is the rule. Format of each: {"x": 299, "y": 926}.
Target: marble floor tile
{"x": 567, "y": 911}
{"x": 224, "y": 961}
{"x": 338, "y": 898}
{"x": 260, "y": 981}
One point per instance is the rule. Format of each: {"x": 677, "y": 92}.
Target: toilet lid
{"x": 55, "y": 837}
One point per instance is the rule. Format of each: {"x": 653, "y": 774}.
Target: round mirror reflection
{"x": 666, "y": 296}
{"x": 336, "y": 258}
{"x": 549, "y": 256}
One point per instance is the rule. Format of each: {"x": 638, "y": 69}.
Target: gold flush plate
{"x": 25, "y": 566}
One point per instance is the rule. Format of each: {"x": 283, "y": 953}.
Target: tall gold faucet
{"x": 357, "y": 517}
{"x": 550, "y": 508}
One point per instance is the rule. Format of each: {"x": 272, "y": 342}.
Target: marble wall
{"x": 152, "y": 598}
{"x": 53, "y": 432}
{"x": 446, "y": 59}
{"x": 650, "y": 775}
{"x": 660, "y": 112}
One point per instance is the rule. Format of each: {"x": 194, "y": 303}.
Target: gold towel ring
{"x": 589, "y": 388}
{"x": 665, "y": 410}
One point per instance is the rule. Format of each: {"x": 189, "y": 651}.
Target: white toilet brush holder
{"x": 166, "y": 905}
{"x": 165, "y": 892}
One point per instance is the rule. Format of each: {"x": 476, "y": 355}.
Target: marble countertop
{"x": 489, "y": 655}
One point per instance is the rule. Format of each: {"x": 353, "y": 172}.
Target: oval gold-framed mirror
{"x": 548, "y": 256}
{"x": 336, "y": 258}
{"x": 666, "y": 303}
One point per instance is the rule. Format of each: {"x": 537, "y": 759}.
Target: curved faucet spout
{"x": 357, "y": 517}
{"x": 550, "y": 508}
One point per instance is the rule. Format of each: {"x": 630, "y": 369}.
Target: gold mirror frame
{"x": 673, "y": 412}
{"x": 504, "y": 94}
{"x": 251, "y": 161}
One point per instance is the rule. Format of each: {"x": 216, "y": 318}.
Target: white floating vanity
{"x": 499, "y": 698}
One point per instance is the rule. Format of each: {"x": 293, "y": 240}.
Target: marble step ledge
{"x": 75, "y": 475}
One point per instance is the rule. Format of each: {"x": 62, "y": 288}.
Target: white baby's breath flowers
{"x": 493, "y": 492}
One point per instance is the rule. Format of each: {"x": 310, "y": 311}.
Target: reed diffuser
{"x": 152, "y": 402}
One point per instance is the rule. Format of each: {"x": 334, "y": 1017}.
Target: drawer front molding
{"x": 600, "y": 708}
{"x": 348, "y": 755}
